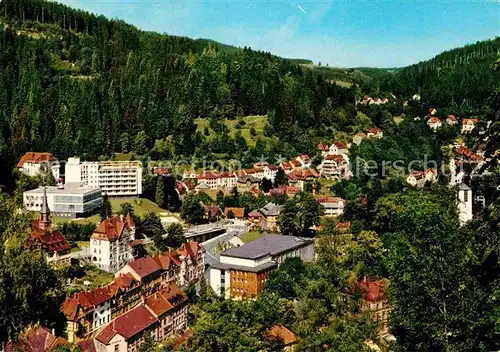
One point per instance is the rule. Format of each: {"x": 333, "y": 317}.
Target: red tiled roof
{"x": 111, "y": 229}
{"x": 335, "y": 157}
{"x": 207, "y": 175}
{"x": 469, "y": 121}
{"x": 323, "y": 200}
{"x": 35, "y": 157}
{"x": 212, "y": 210}
{"x": 254, "y": 214}
{"x": 50, "y": 241}
{"x": 374, "y": 130}
{"x": 434, "y": 120}
{"x": 452, "y": 118}
{"x": 302, "y": 174}
{"x": 36, "y": 339}
{"x": 165, "y": 299}
{"x": 343, "y": 225}
{"x": 84, "y": 301}
{"x": 144, "y": 266}
{"x": 304, "y": 157}
{"x": 190, "y": 248}
{"x": 322, "y": 146}
{"x": 127, "y": 325}
{"x": 295, "y": 163}
{"x": 286, "y": 165}
{"x": 164, "y": 260}
{"x": 341, "y": 145}
{"x": 160, "y": 171}
{"x": 279, "y": 332}
{"x": 272, "y": 167}
{"x": 284, "y": 189}
{"x": 87, "y": 345}
{"x": 360, "y": 134}
{"x": 238, "y": 212}
{"x": 372, "y": 290}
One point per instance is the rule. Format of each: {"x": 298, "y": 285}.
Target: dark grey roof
{"x": 268, "y": 244}
{"x": 45, "y": 206}
{"x": 270, "y": 209}
{"x": 464, "y": 187}
{"x": 248, "y": 178}
{"x": 257, "y": 269}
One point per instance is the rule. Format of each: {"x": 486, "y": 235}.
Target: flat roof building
{"x": 242, "y": 272}
{"x": 116, "y": 178}
{"x": 71, "y": 200}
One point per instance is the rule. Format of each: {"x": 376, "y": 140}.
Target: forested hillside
{"x": 76, "y": 83}
{"x": 458, "y": 76}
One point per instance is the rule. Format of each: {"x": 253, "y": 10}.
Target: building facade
{"x": 242, "y": 272}
{"x": 71, "y": 200}
{"x": 374, "y": 300}
{"x": 115, "y": 178}
{"x": 110, "y": 248}
{"x": 38, "y": 164}
{"x": 88, "y": 312}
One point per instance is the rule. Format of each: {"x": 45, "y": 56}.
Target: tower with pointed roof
{"x": 44, "y": 222}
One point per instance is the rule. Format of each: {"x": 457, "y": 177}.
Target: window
{"x": 466, "y": 196}
{"x": 117, "y": 348}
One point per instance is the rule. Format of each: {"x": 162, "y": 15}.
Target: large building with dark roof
{"x": 242, "y": 272}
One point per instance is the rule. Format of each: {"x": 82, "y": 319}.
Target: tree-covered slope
{"x": 458, "y": 76}
{"x": 77, "y": 83}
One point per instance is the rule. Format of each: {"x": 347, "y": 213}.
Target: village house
{"x": 468, "y": 125}
{"x": 212, "y": 212}
{"x": 343, "y": 226}
{"x": 358, "y": 138}
{"x": 374, "y": 299}
{"x": 451, "y": 120}
{"x": 284, "y": 189}
{"x": 419, "y": 178}
{"x": 209, "y": 179}
{"x": 323, "y": 148}
{"x": 245, "y": 183}
{"x": 36, "y": 164}
{"x": 226, "y": 179}
{"x": 242, "y": 272}
{"x": 434, "y": 123}
{"x": 87, "y": 312}
{"x": 160, "y": 315}
{"x": 286, "y": 166}
{"x": 464, "y": 203}
{"x": 304, "y": 160}
{"x": 335, "y": 166}
{"x": 270, "y": 171}
{"x": 375, "y": 133}
{"x": 49, "y": 243}
{"x": 299, "y": 177}
{"x": 238, "y": 213}
{"x": 36, "y": 339}
{"x": 270, "y": 214}
{"x": 254, "y": 217}
{"x": 432, "y": 111}
{"x": 189, "y": 175}
{"x": 283, "y": 337}
{"x": 334, "y": 206}
{"x": 110, "y": 246}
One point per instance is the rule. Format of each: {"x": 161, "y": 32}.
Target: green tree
{"x": 175, "y": 235}
{"x": 105, "y": 211}
{"x": 160, "y": 192}
{"x": 124, "y": 142}
{"x": 140, "y": 143}
{"x": 191, "y": 209}
{"x": 280, "y": 178}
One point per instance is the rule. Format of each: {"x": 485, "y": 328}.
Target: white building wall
{"x": 101, "y": 315}
{"x": 464, "y": 205}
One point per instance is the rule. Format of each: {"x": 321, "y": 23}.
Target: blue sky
{"x": 347, "y": 33}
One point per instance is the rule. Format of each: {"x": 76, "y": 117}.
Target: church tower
{"x": 44, "y": 222}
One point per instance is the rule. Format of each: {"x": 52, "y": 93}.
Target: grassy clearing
{"x": 95, "y": 276}
{"x": 141, "y": 206}
{"x": 325, "y": 187}
{"x": 257, "y": 122}
{"x": 251, "y": 236}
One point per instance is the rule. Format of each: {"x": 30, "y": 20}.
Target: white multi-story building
{"x": 116, "y": 178}
{"x": 110, "y": 248}
{"x": 335, "y": 166}
{"x": 71, "y": 200}
{"x": 36, "y": 164}
{"x": 270, "y": 171}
